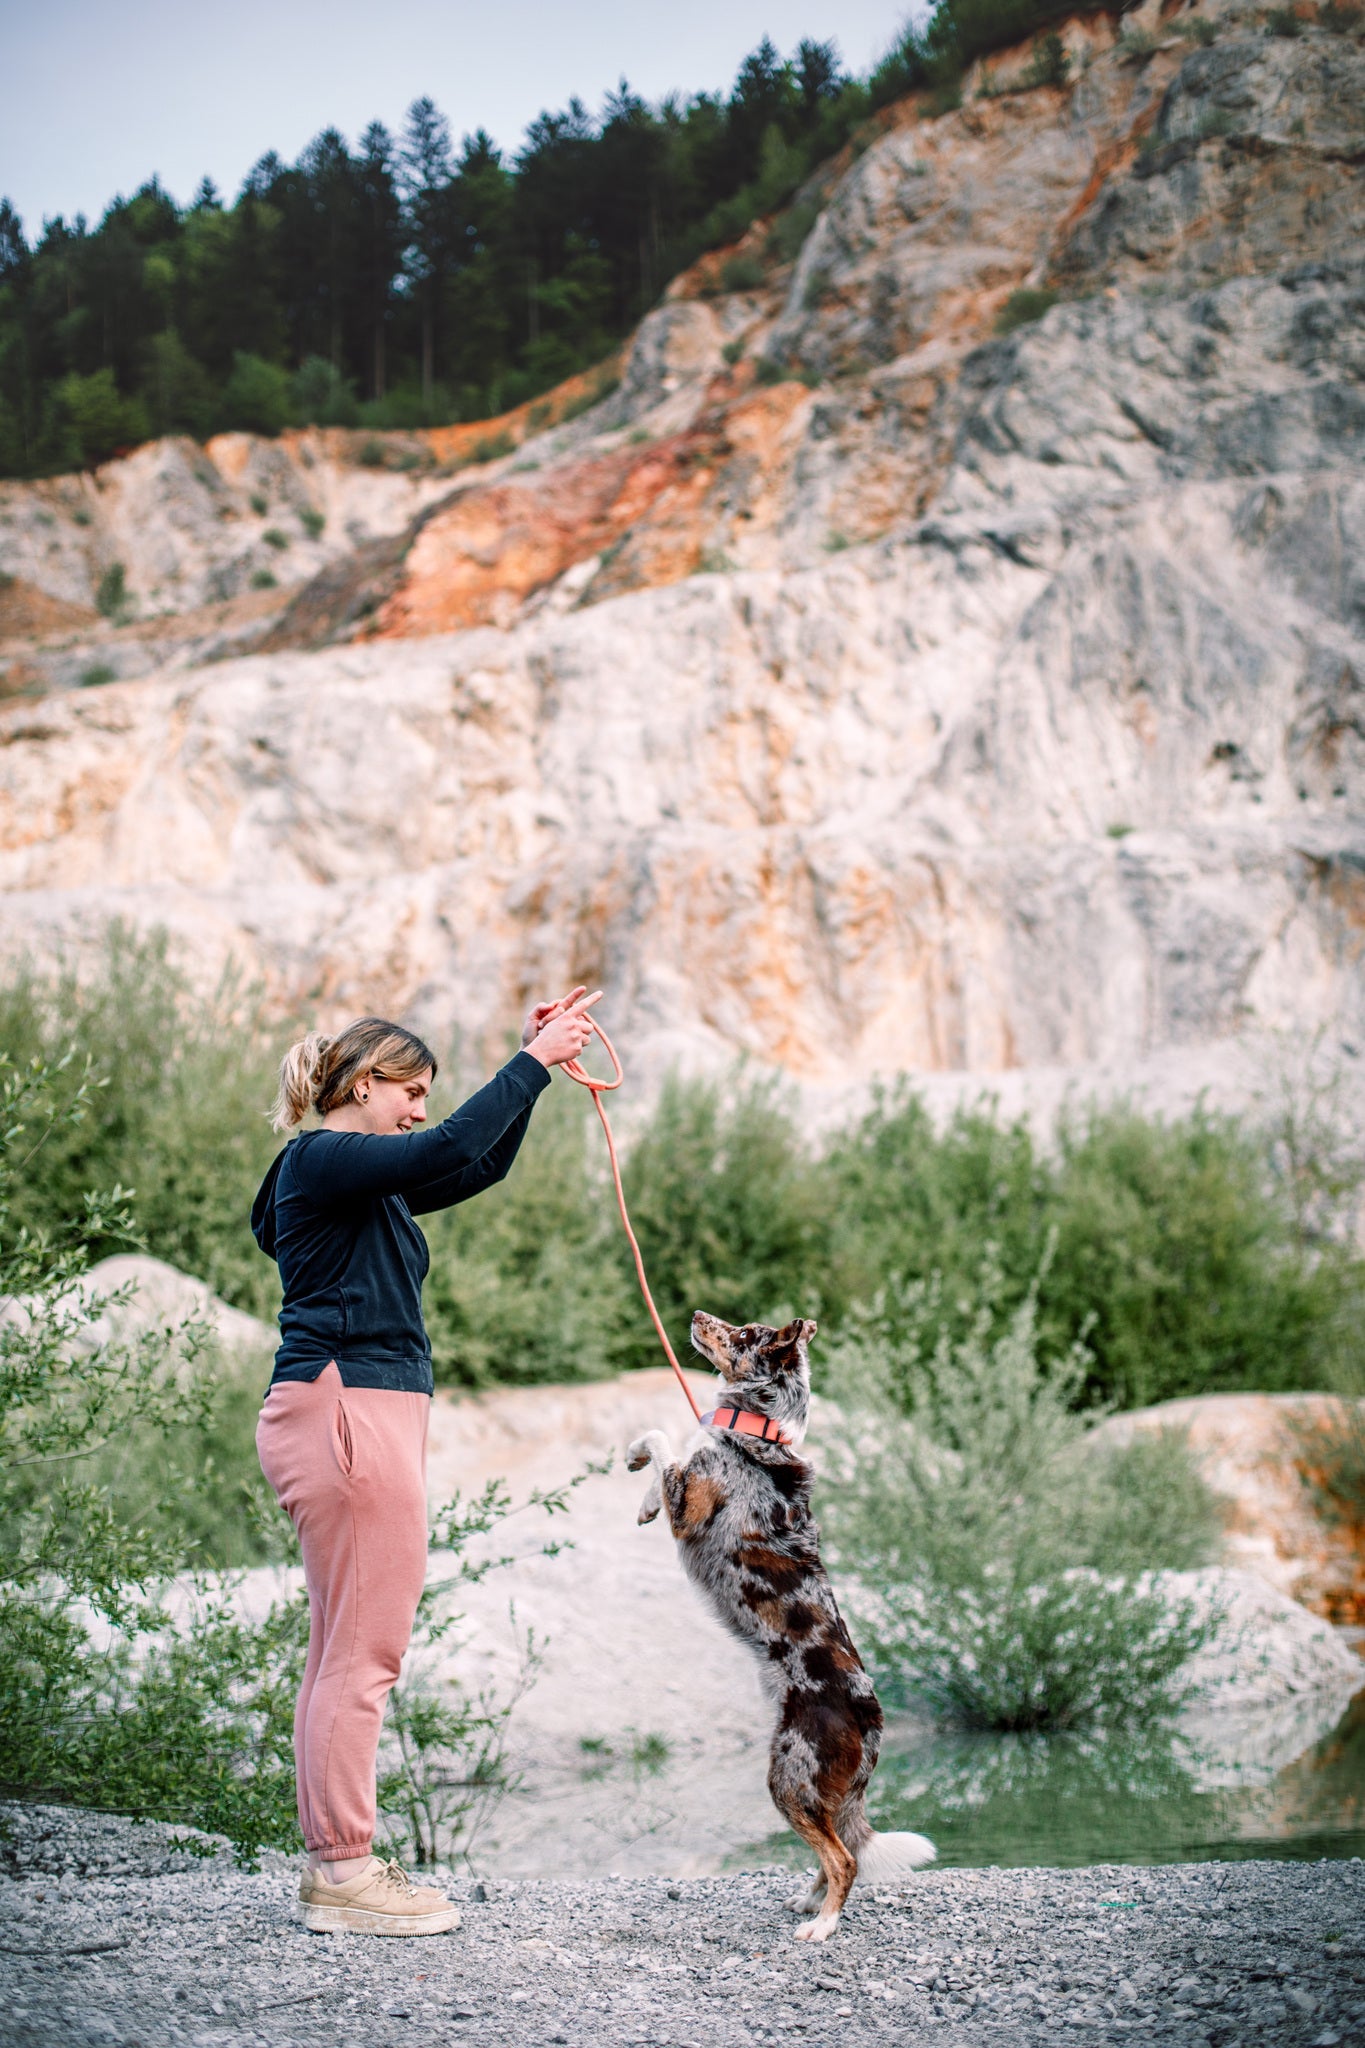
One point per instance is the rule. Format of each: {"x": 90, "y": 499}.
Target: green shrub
{"x": 264, "y": 579}
{"x": 111, "y": 597}
{"x": 1282, "y": 21}
{"x": 1174, "y": 1233}
{"x": 1023, "y": 306}
{"x": 1049, "y": 64}
{"x": 190, "y": 1723}
{"x": 494, "y": 446}
{"x": 312, "y": 521}
{"x": 94, "y": 677}
{"x": 741, "y": 274}
{"x": 260, "y": 504}
{"x": 944, "y": 99}
{"x": 791, "y": 229}
{"x": 256, "y": 395}
{"x": 176, "y": 389}
{"x": 194, "y": 1483}
{"x": 1196, "y": 28}
{"x": 99, "y": 421}
{"x": 1207, "y": 1254}
{"x": 184, "y": 1081}
{"x": 1004, "y": 1559}
{"x": 275, "y": 537}
{"x": 766, "y": 371}
{"x": 321, "y": 397}
{"x": 729, "y": 1215}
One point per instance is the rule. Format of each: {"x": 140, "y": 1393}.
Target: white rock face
{"x": 1061, "y": 775}
{"x": 189, "y": 524}
{"x": 847, "y": 820}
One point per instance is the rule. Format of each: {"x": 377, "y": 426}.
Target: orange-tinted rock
{"x": 476, "y": 561}
{"x": 1272, "y": 1458}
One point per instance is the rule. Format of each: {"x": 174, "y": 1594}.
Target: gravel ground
{"x": 113, "y": 1935}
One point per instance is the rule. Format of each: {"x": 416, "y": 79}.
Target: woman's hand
{"x": 556, "y": 1032}
{"x": 539, "y": 1017}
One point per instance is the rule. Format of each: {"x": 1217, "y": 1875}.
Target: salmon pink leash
{"x": 576, "y": 1071}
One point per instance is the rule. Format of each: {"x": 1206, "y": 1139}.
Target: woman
{"x": 342, "y": 1435}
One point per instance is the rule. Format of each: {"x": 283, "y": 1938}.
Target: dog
{"x": 740, "y": 1511}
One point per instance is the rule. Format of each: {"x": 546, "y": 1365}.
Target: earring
{"x": 366, "y": 1096}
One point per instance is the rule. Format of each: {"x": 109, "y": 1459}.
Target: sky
{"x": 95, "y": 98}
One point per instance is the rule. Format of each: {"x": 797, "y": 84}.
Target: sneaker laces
{"x": 393, "y": 1874}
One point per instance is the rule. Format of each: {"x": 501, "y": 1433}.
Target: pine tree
{"x": 426, "y": 172}
{"x": 380, "y": 243}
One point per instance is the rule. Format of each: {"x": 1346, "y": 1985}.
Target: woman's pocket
{"x": 343, "y": 1446}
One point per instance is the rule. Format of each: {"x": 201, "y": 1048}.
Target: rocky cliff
{"x": 853, "y": 684}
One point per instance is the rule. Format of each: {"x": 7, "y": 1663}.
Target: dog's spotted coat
{"x": 740, "y": 1510}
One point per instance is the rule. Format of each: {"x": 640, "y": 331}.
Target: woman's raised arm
{"x": 334, "y": 1165}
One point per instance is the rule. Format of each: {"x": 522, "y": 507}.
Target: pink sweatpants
{"x": 348, "y": 1465}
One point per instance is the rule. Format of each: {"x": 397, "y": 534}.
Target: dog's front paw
{"x": 650, "y": 1505}
{"x": 819, "y": 1929}
{"x": 653, "y": 1444}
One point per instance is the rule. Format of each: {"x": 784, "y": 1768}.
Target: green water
{"x": 1146, "y": 1798}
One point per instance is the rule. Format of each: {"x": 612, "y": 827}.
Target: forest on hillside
{"x": 412, "y": 281}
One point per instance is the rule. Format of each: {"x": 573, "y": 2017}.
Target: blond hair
{"x": 322, "y": 1073}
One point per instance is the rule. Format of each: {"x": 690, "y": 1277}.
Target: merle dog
{"x": 740, "y": 1510}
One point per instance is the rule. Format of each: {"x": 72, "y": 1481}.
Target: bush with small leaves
{"x": 1022, "y": 307}
{"x": 743, "y": 273}
{"x": 111, "y": 596}
{"x": 1005, "y": 1563}
{"x": 312, "y": 521}
{"x": 1050, "y": 63}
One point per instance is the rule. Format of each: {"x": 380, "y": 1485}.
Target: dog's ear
{"x": 799, "y": 1332}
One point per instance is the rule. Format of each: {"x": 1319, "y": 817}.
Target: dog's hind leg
{"x": 837, "y": 1872}
{"x": 809, "y": 1901}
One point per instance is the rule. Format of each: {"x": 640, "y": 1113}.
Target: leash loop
{"x": 597, "y": 1087}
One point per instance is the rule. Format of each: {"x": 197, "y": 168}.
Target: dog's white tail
{"x": 884, "y": 1858}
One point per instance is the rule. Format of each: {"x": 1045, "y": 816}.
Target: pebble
{"x": 1263, "y": 1955}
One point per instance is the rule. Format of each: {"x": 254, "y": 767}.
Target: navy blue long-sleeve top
{"x": 336, "y": 1211}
